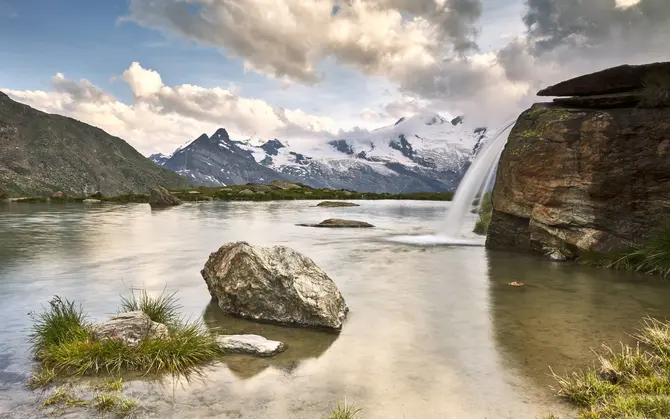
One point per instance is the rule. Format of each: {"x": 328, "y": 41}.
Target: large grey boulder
{"x": 275, "y": 284}
{"x": 161, "y": 197}
{"x": 130, "y": 328}
{"x": 250, "y": 344}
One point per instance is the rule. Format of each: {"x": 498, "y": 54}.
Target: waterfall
{"x": 475, "y": 183}
{"x": 475, "y": 180}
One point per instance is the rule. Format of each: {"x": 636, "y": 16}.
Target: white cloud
{"x": 163, "y": 117}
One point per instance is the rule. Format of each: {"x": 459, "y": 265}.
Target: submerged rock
{"x": 130, "y": 328}
{"x": 275, "y": 284}
{"x": 338, "y": 223}
{"x": 250, "y": 344}
{"x": 91, "y": 201}
{"x": 161, "y": 197}
{"x": 335, "y": 204}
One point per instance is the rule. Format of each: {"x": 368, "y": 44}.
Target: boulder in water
{"x": 338, "y": 223}
{"x": 130, "y": 328}
{"x": 161, "y": 197}
{"x": 250, "y": 344}
{"x": 91, "y": 201}
{"x": 336, "y": 204}
{"x": 274, "y": 284}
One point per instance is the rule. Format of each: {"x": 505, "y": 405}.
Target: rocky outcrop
{"x": 250, "y": 344}
{"x": 338, "y": 223}
{"x": 335, "y": 204}
{"x": 621, "y": 79}
{"x": 275, "y": 284}
{"x": 161, "y": 197}
{"x": 573, "y": 179}
{"x": 130, "y": 328}
{"x": 285, "y": 185}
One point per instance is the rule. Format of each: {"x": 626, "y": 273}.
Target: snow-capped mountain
{"x": 159, "y": 158}
{"x": 420, "y": 153}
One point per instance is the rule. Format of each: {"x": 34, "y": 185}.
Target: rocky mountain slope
{"x": 42, "y": 153}
{"x": 420, "y": 153}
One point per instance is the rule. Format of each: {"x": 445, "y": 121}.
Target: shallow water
{"x": 433, "y": 332}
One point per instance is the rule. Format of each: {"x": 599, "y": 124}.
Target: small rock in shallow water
{"x": 337, "y": 223}
{"x": 91, "y": 201}
{"x": 250, "y": 344}
{"x": 130, "y": 328}
{"x": 335, "y": 204}
{"x": 516, "y": 284}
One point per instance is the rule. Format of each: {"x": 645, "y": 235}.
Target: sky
{"x": 159, "y": 73}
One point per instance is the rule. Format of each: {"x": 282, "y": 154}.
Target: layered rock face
{"x": 593, "y": 177}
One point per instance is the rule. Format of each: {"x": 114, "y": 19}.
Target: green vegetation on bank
{"x": 252, "y": 192}
{"x": 64, "y": 345}
{"x": 651, "y": 257}
{"x": 485, "y": 214}
{"x": 633, "y": 382}
{"x": 345, "y": 411}
{"x": 107, "y": 399}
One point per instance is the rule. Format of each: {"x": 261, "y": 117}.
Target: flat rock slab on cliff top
{"x": 335, "y": 204}
{"x": 616, "y": 100}
{"x": 250, "y": 344}
{"x": 130, "y": 328}
{"x": 624, "y": 78}
{"x": 337, "y": 223}
{"x": 273, "y": 284}
{"x": 161, "y": 197}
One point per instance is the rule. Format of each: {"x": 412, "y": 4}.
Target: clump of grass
{"x": 62, "y": 322}
{"x": 63, "y": 398}
{"x": 41, "y": 378}
{"x": 651, "y": 257}
{"x": 110, "y": 386}
{"x": 163, "y": 308}
{"x": 656, "y": 91}
{"x": 63, "y": 343}
{"x": 346, "y": 411}
{"x": 485, "y": 214}
{"x": 631, "y": 383}
{"x": 112, "y": 403}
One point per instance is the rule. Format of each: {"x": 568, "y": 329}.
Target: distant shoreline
{"x": 250, "y": 192}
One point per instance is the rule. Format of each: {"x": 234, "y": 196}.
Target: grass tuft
{"x": 345, "y": 411}
{"x": 163, "y": 308}
{"x": 651, "y": 257}
{"x": 656, "y": 91}
{"x": 41, "y": 378}
{"x": 630, "y": 383}
{"x": 112, "y": 403}
{"x": 63, "y": 343}
{"x": 110, "y": 386}
{"x": 485, "y": 214}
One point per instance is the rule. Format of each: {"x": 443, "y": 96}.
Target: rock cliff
{"x": 585, "y": 173}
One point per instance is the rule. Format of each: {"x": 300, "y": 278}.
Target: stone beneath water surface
{"x": 250, "y": 344}
{"x": 130, "y": 328}
{"x": 273, "y": 284}
{"x": 161, "y": 197}
{"x": 335, "y": 204}
{"x": 338, "y": 223}
{"x": 91, "y": 201}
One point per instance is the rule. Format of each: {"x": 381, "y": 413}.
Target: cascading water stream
{"x": 475, "y": 183}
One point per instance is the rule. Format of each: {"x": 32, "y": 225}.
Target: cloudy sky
{"x": 160, "y": 72}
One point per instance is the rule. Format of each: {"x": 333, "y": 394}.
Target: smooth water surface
{"x": 433, "y": 332}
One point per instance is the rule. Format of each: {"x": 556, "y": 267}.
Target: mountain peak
{"x": 221, "y": 134}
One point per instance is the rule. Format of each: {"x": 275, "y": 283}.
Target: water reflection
{"x": 564, "y": 311}
{"x": 302, "y": 344}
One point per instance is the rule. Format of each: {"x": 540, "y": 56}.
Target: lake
{"x": 433, "y": 332}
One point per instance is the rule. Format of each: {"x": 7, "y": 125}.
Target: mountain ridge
{"x": 42, "y": 153}
{"x": 421, "y": 153}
